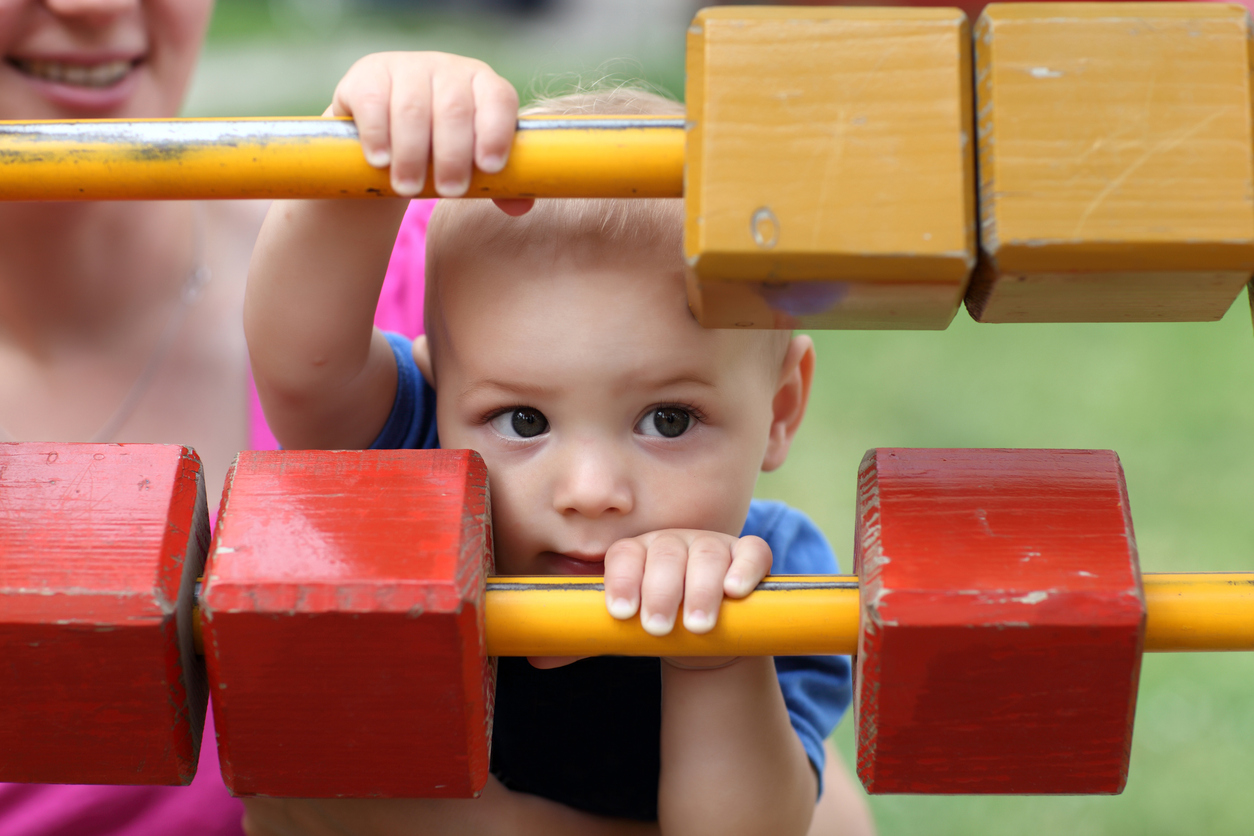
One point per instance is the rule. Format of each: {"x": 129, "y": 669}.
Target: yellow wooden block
{"x": 1116, "y": 171}
{"x": 829, "y": 179}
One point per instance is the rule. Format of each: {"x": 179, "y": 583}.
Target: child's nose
{"x": 593, "y": 482}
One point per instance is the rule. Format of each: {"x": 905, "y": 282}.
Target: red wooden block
{"x": 343, "y": 624}
{"x": 1002, "y": 622}
{"x": 100, "y": 547}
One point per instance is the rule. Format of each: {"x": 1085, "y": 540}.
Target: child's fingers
{"x": 624, "y": 571}
{"x": 410, "y": 115}
{"x": 751, "y": 561}
{"x": 452, "y": 131}
{"x": 496, "y": 114}
{"x": 363, "y": 94}
{"x": 708, "y": 558}
{"x": 663, "y": 586}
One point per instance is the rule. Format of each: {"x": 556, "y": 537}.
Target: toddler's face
{"x": 602, "y": 409}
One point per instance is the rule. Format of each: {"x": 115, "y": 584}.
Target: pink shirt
{"x": 204, "y": 808}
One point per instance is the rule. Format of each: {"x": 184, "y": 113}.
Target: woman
{"x": 122, "y": 321}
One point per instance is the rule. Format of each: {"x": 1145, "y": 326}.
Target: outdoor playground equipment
{"x": 828, "y": 168}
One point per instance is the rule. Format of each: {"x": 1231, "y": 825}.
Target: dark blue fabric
{"x": 411, "y": 424}
{"x": 539, "y": 743}
{"x": 817, "y": 689}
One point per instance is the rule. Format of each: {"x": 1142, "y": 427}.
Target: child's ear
{"x": 422, "y": 357}
{"x": 792, "y": 393}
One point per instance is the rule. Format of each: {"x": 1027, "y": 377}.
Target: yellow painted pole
{"x": 566, "y": 616}
{"x": 810, "y": 614}
{"x": 1204, "y": 611}
{"x": 199, "y": 159}
{"x": 562, "y": 616}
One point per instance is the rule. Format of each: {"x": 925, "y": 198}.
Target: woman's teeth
{"x": 82, "y": 75}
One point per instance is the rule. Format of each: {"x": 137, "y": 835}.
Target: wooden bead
{"x": 343, "y": 624}
{"x": 1115, "y": 161}
{"x": 829, "y": 179}
{"x": 1002, "y": 622}
{"x": 100, "y": 547}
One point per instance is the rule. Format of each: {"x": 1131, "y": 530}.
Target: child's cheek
{"x": 506, "y": 543}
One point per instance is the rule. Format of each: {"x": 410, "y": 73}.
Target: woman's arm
{"x": 731, "y": 762}
{"x": 325, "y": 377}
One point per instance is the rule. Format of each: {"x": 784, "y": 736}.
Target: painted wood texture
{"x": 1116, "y": 175}
{"x": 829, "y": 179}
{"x": 343, "y": 624}
{"x": 1002, "y": 622}
{"x": 100, "y": 546}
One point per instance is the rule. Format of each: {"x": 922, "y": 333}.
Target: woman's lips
{"x": 573, "y": 564}
{"x": 95, "y": 75}
{"x": 82, "y": 86}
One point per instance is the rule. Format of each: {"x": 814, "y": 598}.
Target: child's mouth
{"x": 97, "y": 76}
{"x": 573, "y": 564}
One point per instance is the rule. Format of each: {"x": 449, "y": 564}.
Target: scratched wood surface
{"x": 1002, "y": 622}
{"x": 1116, "y": 174}
{"x": 829, "y": 179}
{"x": 100, "y": 545}
{"x": 343, "y": 624}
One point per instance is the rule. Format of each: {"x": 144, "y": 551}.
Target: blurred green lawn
{"x": 1175, "y": 401}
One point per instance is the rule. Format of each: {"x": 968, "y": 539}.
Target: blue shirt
{"x": 540, "y": 744}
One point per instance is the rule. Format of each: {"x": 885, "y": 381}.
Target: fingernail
{"x": 452, "y": 188}
{"x": 622, "y": 608}
{"x": 698, "y": 622}
{"x": 737, "y": 585}
{"x": 658, "y": 624}
{"x": 379, "y": 158}
{"x": 492, "y": 163}
{"x": 407, "y": 188}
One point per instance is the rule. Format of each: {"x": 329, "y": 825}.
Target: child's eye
{"x": 665, "y": 421}
{"x": 521, "y": 422}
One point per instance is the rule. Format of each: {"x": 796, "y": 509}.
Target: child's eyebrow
{"x": 685, "y": 378}
{"x": 522, "y": 390}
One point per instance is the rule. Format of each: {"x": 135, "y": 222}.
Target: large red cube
{"x": 1002, "y": 622}
{"x": 343, "y": 624}
{"x": 100, "y": 547}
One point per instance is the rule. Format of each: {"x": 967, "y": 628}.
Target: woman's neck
{"x": 75, "y": 274}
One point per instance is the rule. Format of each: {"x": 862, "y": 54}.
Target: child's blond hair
{"x": 571, "y": 227}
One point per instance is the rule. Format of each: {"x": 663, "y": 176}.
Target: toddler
{"x": 621, "y": 438}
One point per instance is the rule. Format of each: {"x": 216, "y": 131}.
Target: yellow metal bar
{"x": 199, "y": 159}
{"x": 811, "y": 614}
{"x": 1205, "y": 611}
{"x": 566, "y": 616}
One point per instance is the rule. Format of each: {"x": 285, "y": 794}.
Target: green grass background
{"x": 1176, "y": 401}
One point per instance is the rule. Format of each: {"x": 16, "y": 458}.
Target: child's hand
{"x": 412, "y": 107}
{"x": 654, "y": 572}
